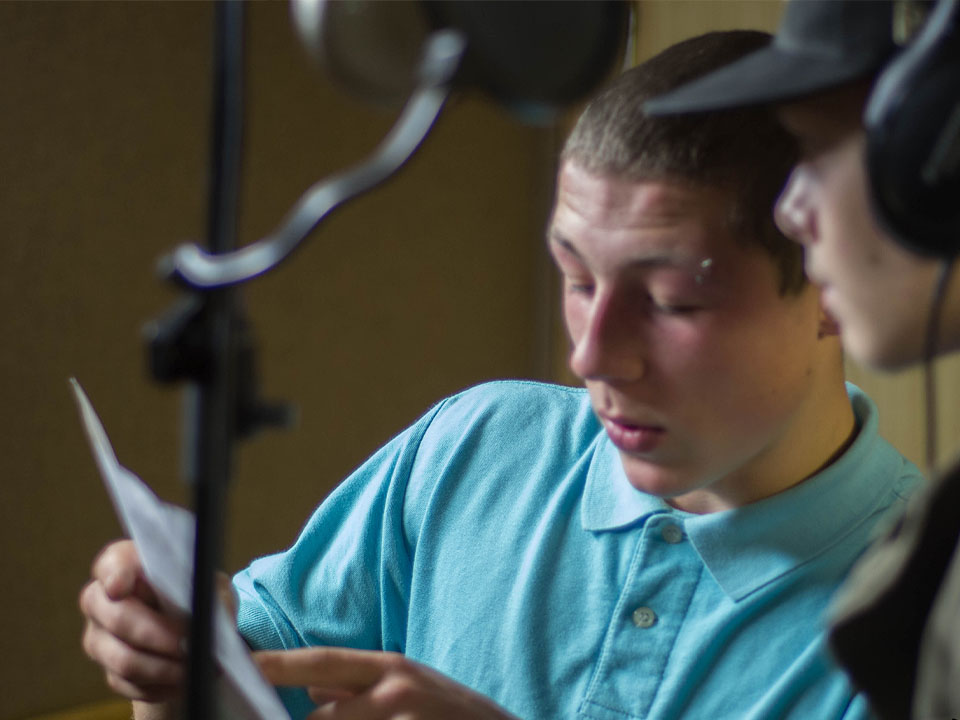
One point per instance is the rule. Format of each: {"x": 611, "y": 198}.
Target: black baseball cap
{"x": 820, "y": 44}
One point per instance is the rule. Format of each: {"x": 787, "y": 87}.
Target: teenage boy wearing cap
{"x": 660, "y": 545}
{"x": 896, "y": 624}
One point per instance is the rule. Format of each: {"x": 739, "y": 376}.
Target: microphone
{"x": 534, "y": 56}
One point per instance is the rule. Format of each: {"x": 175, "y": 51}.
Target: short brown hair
{"x": 745, "y": 150}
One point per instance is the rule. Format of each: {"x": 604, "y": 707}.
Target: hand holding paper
{"x": 163, "y": 535}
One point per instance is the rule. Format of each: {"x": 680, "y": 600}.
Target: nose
{"x": 793, "y": 212}
{"x": 608, "y": 345}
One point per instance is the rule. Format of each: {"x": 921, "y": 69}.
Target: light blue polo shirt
{"x": 498, "y": 541}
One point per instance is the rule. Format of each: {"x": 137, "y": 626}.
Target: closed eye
{"x": 677, "y": 309}
{"x": 668, "y": 308}
{"x": 580, "y": 288}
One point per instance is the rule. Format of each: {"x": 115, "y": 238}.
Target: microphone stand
{"x": 213, "y": 399}
{"x": 205, "y": 341}
{"x": 202, "y": 341}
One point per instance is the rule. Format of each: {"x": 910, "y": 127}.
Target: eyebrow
{"x": 663, "y": 259}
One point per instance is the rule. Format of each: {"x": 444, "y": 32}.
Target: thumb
{"x": 120, "y": 583}
{"x": 119, "y": 570}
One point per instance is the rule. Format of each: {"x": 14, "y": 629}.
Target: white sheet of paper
{"x": 163, "y": 534}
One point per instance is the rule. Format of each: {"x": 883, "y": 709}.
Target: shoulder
{"x": 514, "y": 402}
{"x": 508, "y": 416}
{"x": 497, "y": 435}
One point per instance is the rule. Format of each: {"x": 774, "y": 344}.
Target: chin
{"x": 657, "y": 481}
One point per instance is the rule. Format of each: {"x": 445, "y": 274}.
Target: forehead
{"x": 672, "y": 216}
{"x": 831, "y": 114}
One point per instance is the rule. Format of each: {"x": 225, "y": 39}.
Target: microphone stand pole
{"x": 214, "y": 395}
{"x": 203, "y": 341}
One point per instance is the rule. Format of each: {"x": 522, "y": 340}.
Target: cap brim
{"x": 766, "y": 76}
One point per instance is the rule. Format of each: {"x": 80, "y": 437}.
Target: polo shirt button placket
{"x": 644, "y": 617}
{"x": 672, "y": 533}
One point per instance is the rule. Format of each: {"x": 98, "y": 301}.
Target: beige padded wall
{"x": 900, "y": 396}
{"x": 424, "y": 286}
{"x": 660, "y": 23}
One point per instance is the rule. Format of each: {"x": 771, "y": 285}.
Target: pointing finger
{"x": 329, "y": 668}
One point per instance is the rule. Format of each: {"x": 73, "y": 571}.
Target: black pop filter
{"x": 534, "y": 56}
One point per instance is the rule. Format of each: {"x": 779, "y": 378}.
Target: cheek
{"x": 689, "y": 353}
{"x": 853, "y": 255}
{"x": 746, "y": 360}
{"x": 753, "y": 388}
{"x": 575, "y": 312}
{"x": 847, "y": 216}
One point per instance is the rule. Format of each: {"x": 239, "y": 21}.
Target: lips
{"x": 633, "y": 438}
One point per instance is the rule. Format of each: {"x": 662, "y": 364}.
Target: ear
{"x": 828, "y": 326}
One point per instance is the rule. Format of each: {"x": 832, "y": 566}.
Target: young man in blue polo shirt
{"x": 660, "y": 544}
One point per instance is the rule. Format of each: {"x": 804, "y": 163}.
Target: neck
{"x": 819, "y": 432}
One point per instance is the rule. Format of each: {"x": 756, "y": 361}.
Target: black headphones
{"x": 912, "y": 122}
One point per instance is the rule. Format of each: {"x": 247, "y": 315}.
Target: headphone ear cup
{"x": 912, "y": 122}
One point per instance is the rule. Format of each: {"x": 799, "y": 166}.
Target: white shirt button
{"x": 644, "y": 617}
{"x": 672, "y": 533}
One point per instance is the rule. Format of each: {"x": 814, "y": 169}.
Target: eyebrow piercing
{"x": 705, "y": 265}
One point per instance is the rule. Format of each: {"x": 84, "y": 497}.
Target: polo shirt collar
{"x": 749, "y": 547}
{"x": 610, "y": 502}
